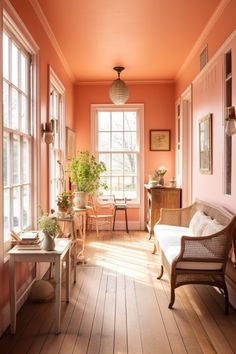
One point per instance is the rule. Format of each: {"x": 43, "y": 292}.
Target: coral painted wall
{"x": 47, "y": 56}
{"x": 158, "y": 100}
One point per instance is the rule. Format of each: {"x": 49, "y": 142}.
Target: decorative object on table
{"x": 50, "y": 228}
{"x": 64, "y": 202}
{"x": 119, "y": 92}
{"x": 85, "y": 174}
{"x": 172, "y": 182}
{"x": 26, "y": 240}
{"x": 159, "y": 175}
{"x": 205, "y": 144}
{"x": 160, "y": 140}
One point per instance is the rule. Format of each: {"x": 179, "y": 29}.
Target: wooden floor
{"x": 118, "y": 306}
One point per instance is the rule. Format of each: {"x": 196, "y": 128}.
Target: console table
{"x": 62, "y": 249}
{"x": 160, "y": 197}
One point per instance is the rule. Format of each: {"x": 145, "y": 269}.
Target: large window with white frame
{"x": 117, "y": 142}
{"x": 18, "y": 140}
{"x": 57, "y": 148}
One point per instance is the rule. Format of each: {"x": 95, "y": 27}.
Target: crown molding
{"x": 198, "y": 44}
{"x": 128, "y": 82}
{"x": 44, "y": 22}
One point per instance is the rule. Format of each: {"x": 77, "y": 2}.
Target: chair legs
{"x": 126, "y": 219}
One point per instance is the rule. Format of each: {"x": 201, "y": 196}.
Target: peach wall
{"x": 223, "y": 27}
{"x": 158, "y": 100}
{"x": 47, "y": 56}
{"x": 159, "y": 113}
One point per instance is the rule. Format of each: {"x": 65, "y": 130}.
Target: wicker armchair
{"x": 195, "y": 259}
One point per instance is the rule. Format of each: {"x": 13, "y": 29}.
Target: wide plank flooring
{"x": 118, "y": 306}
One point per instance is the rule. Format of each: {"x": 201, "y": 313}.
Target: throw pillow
{"x": 198, "y": 223}
{"x": 212, "y": 228}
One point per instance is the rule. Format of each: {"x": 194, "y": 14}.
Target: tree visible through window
{"x": 118, "y": 147}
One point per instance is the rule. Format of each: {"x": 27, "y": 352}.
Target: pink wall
{"x": 47, "y": 56}
{"x": 223, "y": 27}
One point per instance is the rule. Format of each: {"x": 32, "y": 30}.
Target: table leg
{"x": 58, "y": 265}
{"x": 73, "y": 232}
{"x": 68, "y": 275}
{"x": 12, "y": 282}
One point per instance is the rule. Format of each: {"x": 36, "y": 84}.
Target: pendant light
{"x": 119, "y": 92}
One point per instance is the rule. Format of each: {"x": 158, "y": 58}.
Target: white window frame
{"x": 11, "y": 22}
{"x": 139, "y": 108}
{"x": 57, "y": 148}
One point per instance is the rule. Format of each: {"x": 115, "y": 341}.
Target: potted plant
{"x": 85, "y": 174}
{"x": 49, "y": 226}
{"x": 64, "y": 202}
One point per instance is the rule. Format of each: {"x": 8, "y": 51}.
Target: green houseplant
{"x": 85, "y": 174}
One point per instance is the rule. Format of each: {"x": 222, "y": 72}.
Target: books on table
{"x": 28, "y": 240}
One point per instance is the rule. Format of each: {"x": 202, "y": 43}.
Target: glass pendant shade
{"x": 119, "y": 92}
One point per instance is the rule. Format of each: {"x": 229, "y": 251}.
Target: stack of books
{"x": 29, "y": 240}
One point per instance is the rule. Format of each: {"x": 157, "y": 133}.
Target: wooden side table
{"x": 62, "y": 249}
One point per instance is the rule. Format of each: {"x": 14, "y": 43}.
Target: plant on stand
{"x": 85, "y": 174}
{"x": 64, "y": 199}
{"x": 159, "y": 175}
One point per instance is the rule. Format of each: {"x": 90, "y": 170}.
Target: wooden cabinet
{"x": 160, "y": 197}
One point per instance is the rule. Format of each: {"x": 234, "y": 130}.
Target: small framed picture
{"x": 70, "y": 143}
{"x": 205, "y": 144}
{"x": 160, "y": 140}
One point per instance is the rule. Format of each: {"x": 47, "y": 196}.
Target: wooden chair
{"x": 101, "y": 214}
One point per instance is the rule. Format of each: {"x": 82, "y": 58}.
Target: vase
{"x": 161, "y": 180}
{"x": 80, "y": 199}
{"x": 48, "y": 242}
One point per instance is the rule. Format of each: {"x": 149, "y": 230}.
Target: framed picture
{"x": 160, "y": 140}
{"x": 205, "y": 144}
{"x": 70, "y": 143}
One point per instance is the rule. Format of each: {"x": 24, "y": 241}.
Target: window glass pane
{"x": 117, "y": 164}
{"x": 130, "y": 164}
{"x": 117, "y": 141}
{"x": 24, "y": 115}
{"x": 103, "y": 141}
{"x": 6, "y": 208}
{"x": 117, "y": 121}
{"x": 107, "y": 180}
{"x": 6, "y": 159}
{"x": 25, "y": 162}
{"x": 26, "y": 206}
{"x": 23, "y": 72}
{"x": 130, "y": 187}
{"x": 130, "y": 142}
{"x": 6, "y": 104}
{"x": 105, "y": 158}
{"x": 130, "y": 123}
{"x": 14, "y": 64}
{"x": 117, "y": 186}
{"x": 104, "y": 121}
{"x": 16, "y": 159}
{"x": 16, "y": 209}
{"x": 5, "y": 56}
{"x": 14, "y": 110}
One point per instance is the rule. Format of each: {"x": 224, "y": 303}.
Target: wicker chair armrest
{"x": 177, "y": 217}
{"x": 213, "y": 248}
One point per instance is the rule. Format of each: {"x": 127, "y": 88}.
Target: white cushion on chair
{"x": 212, "y": 227}
{"x": 198, "y": 223}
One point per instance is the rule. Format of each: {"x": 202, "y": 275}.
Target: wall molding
{"x": 128, "y": 82}
{"x": 44, "y": 22}
{"x": 200, "y": 41}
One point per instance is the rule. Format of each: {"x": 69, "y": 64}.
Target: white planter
{"x": 80, "y": 199}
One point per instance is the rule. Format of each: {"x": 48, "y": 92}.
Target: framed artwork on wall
{"x": 205, "y": 144}
{"x": 160, "y": 140}
{"x": 70, "y": 143}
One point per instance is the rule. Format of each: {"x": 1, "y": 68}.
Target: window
{"x": 57, "y": 147}
{"x": 17, "y": 136}
{"x": 118, "y": 145}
